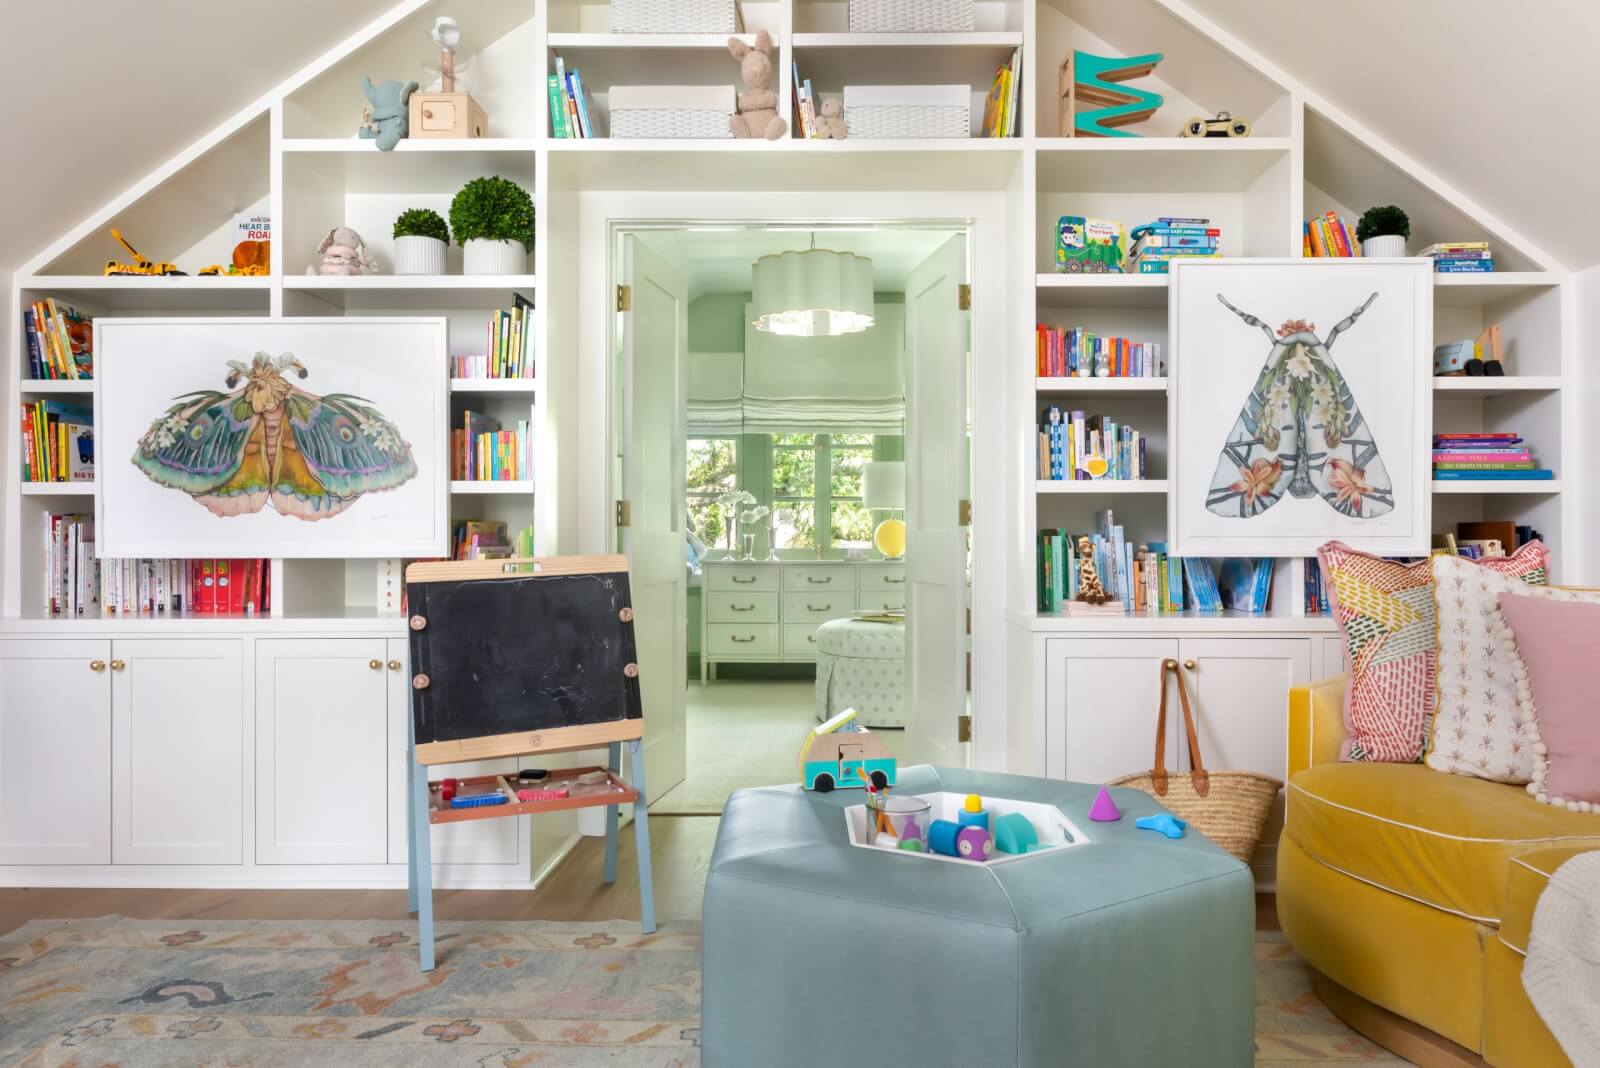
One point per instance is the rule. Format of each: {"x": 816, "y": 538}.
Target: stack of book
{"x": 1460, "y": 257}
{"x": 1145, "y": 578}
{"x": 1329, "y": 235}
{"x": 1316, "y": 591}
{"x": 806, "y": 106}
{"x": 1157, "y": 244}
{"x": 1245, "y": 584}
{"x": 508, "y": 347}
{"x": 1077, "y": 353}
{"x": 60, "y": 341}
{"x": 480, "y": 451}
{"x": 476, "y": 539}
{"x": 1076, "y": 447}
{"x": 77, "y": 584}
{"x": 57, "y": 442}
{"x": 1486, "y": 538}
{"x": 571, "y": 111}
{"x": 1001, "y": 111}
{"x": 1471, "y": 457}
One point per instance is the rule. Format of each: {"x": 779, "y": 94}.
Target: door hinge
{"x": 624, "y": 514}
{"x": 963, "y": 728}
{"x": 964, "y": 514}
{"x": 624, "y": 298}
{"x": 966, "y": 297}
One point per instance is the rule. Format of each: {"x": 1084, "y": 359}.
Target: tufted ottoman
{"x": 1133, "y": 950}
{"x": 862, "y": 665}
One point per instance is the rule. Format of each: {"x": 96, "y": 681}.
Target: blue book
{"x": 1481, "y": 267}
{"x": 581, "y": 97}
{"x": 1540, "y": 474}
{"x": 35, "y": 356}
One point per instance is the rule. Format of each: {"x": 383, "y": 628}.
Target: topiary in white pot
{"x": 493, "y": 221}
{"x": 421, "y": 240}
{"x": 1383, "y": 231}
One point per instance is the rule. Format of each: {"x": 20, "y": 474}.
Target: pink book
{"x": 1521, "y": 456}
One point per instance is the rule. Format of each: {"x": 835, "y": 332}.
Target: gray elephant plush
{"x": 386, "y": 118}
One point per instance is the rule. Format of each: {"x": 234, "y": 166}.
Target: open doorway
{"x": 793, "y": 495}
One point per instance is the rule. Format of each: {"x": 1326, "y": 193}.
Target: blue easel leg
{"x": 411, "y": 832}
{"x": 611, "y": 819}
{"x": 641, "y": 835}
{"x": 422, "y": 862}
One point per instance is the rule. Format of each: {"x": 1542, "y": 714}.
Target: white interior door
{"x": 936, "y": 484}
{"x": 655, "y": 344}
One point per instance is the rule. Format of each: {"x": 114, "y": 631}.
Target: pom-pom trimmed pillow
{"x": 1387, "y": 613}
{"x": 1477, "y": 727}
{"x": 1554, "y": 646}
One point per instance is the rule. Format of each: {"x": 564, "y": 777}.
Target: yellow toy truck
{"x": 140, "y": 265}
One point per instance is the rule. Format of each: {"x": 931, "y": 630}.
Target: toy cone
{"x": 1104, "y": 810}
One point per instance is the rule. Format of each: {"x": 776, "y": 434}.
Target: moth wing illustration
{"x": 343, "y": 448}
{"x": 200, "y": 446}
{"x": 1249, "y": 477}
{"x": 1352, "y": 476}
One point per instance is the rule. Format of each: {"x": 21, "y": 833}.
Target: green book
{"x": 558, "y": 109}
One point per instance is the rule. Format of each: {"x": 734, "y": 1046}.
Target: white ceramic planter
{"x": 1384, "y": 245}
{"x": 481, "y": 256}
{"x": 416, "y": 254}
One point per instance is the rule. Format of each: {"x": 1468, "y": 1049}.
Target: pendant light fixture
{"x": 812, "y": 293}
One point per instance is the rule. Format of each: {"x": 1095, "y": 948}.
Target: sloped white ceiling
{"x": 1500, "y": 98}
{"x": 101, "y": 93}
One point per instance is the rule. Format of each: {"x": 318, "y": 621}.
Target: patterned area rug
{"x": 120, "y": 993}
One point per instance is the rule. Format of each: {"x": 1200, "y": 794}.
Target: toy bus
{"x": 842, "y": 753}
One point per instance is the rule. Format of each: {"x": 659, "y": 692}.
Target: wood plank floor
{"x": 680, "y": 847}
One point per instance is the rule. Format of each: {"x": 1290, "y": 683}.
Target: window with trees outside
{"x": 816, "y": 491}
{"x": 713, "y": 471}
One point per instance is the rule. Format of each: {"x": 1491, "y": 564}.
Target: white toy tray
{"x": 1056, "y": 832}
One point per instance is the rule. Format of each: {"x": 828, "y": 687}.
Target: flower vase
{"x": 748, "y": 544}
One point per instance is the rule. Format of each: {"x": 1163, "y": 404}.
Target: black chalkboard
{"x": 517, "y": 654}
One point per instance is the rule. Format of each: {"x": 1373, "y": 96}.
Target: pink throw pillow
{"x": 1556, "y": 662}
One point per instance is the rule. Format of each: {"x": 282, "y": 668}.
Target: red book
{"x": 205, "y": 599}
{"x": 236, "y": 586}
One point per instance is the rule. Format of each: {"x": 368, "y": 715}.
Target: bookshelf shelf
{"x": 1103, "y": 486}
{"x": 1467, "y": 290}
{"x": 110, "y": 294}
{"x": 48, "y": 386}
{"x": 1100, "y": 385}
{"x": 57, "y": 489}
{"x": 1497, "y": 387}
{"x": 1490, "y": 487}
{"x": 492, "y": 385}
{"x": 521, "y": 486}
{"x": 1101, "y": 290}
{"x": 1156, "y": 164}
{"x": 834, "y": 60}
{"x": 400, "y": 292}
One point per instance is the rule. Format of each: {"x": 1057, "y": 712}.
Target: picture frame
{"x": 1300, "y": 406}
{"x": 286, "y": 438}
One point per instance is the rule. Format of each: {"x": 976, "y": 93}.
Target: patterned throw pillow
{"x": 1391, "y": 645}
{"x": 1478, "y": 729}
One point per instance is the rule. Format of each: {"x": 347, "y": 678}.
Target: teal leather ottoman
{"x": 1133, "y": 950}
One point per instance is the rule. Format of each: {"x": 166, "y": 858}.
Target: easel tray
{"x": 613, "y": 791}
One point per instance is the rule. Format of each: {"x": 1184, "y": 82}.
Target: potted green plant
{"x": 1383, "y": 231}
{"x": 421, "y": 239}
{"x": 492, "y": 219}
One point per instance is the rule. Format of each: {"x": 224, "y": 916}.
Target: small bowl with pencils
{"x": 898, "y": 822}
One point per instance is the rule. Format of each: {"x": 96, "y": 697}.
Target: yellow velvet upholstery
{"x": 1399, "y": 882}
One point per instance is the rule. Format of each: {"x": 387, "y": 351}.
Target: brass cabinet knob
{"x": 97, "y": 665}
{"x": 394, "y": 665}
{"x": 1190, "y": 664}
{"x": 118, "y": 665}
{"x": 375, "y": 665}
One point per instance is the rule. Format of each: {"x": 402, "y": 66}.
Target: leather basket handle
{"x": 1158, "y": 776}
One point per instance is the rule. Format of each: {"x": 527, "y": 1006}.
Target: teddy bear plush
{"x": 758, "y": 104}
{"x": 343, "y": 252}
{"x": 830, "y": 124}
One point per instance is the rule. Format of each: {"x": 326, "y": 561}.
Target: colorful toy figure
{"x": 1162, "y": 823}
{"x": 1300, "y": 420}
{"x": 386, "y": 118}
{"x": 842, "y": 753}
{"x": 269, "y": 441}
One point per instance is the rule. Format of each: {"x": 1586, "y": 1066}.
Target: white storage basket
{"x": 910, "y": 16}
{"x": 671, "y": 111}
{"x": 675, "y": 16}
{"x": 901, "y": 111}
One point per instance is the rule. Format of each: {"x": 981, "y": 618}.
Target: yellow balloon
{"x": 890, "y": 537}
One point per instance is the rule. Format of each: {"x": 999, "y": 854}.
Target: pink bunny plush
{"x": 343, "y": 252}
{"x": 758, "y": 104}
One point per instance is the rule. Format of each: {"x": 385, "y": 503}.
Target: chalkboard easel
{"x": 515, "y": 658}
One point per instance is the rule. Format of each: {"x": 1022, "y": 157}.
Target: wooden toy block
{"x": 1094, "y": 81}
{"x": 447, "y": 115}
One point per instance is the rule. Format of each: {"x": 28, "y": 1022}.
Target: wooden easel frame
{"x": 422, "y": 814}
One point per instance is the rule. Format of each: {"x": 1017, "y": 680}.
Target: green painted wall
{"x": 716, "y": 322}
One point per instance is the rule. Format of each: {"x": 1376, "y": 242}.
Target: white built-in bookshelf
{"x": 293, "y": 157}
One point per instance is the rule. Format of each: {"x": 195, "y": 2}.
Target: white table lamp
{"x": 883, "y": 489}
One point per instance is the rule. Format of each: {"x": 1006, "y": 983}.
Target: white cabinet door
{"x": 1101, "y": 699}
{"x": 55, "y": 752}
{"x": 470, "y": 842}
{"x": 322, "y": 751}
{"x": 1332, "y": 658}
{"x": 1240, "y": 688}
{"x": 177, "y": 751}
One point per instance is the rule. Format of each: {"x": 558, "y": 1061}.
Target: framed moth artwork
{"x": 1300, "y": 406}
{"x": 319, "y": 437}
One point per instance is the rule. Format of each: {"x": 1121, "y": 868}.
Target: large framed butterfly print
{"x": 319, "y": 437}
{"x": 1299, "y": 397}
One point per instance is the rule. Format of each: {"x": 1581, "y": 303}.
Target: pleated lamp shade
{"x": 883, "y": 485}
{"x": 814, "y": 293}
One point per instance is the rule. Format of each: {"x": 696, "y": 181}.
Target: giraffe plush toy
{"x": 1089, "y": 589}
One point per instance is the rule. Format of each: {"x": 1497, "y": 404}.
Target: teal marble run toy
{"x": 1095, "y": 81}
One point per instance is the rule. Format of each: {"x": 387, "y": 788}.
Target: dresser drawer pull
{"x": 744, "y": 581}
{"x": 818, "y": 607}
{"x": 819, "y": 581}
{"x": 812, "y": 638}
{"x": 893, "y": 580}
{"x": 741, "y": 641}
{"x": 742, "y": 607}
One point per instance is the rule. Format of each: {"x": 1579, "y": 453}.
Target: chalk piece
{"x": 593, "y": 778}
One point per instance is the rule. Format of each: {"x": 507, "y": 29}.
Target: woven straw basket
{"x": 1228, "y": 807}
